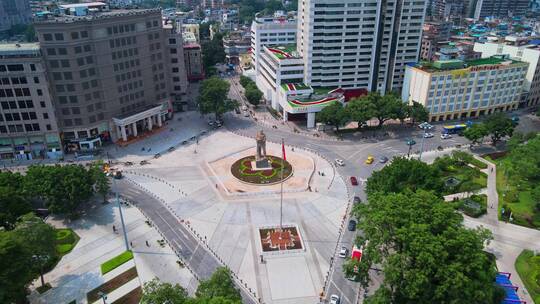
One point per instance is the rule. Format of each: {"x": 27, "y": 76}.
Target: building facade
{"x": 28, "y": 127}
{"x": 270, "y": 31}
{"x": 235, "y": 44}
{"x": 480, "y": 9}
{"x": 459, "y": 90}
{"x": 193, "y": 62}
{"x": 359, "y": 44}
{"x": 14, "y": 12}
{"x": 530, "y": 54}
{"x": 111, "y": 71}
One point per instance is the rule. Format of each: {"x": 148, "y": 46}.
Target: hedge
{"x": 116, "y": 261}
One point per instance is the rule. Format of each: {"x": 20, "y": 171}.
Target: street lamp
{"x": 425, "y": 126}
{"x": 121, "y": 216}
{"x": 410, "y": 142}
{"x": 103, "y": 296}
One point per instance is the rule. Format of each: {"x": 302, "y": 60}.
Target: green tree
{"x": 220, "y": 284}
{"x": 156, "y": 292}
{"x": 404, "y": 174}
{"x": 498, "y": 126}
{"x": 524, "y": 161}
{"x": 213, "y": 97}
{"x": 360, "y": 110}
{"x": 476, "y": 133}
{"x": 427, "y": 256}
{"x": 418, "y": 113}
{"x": 253, "y": 94}
{"x": 15, "y": 273}
{"x": 245, "y": 81}
{"x": 38, "y": 239}
{"x": 13, "y": 202}
{"x": 386, "y": 107}
{"x": 101, "y": 182}
{"x": 213, "y": 52}
{"x": 334, "y": 115}
{"x": 517, "y": 139}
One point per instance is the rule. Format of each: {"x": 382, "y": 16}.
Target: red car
{"x": 354, "y": 182}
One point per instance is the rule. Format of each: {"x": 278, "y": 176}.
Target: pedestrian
{"x": 131, "y": 244}
{"x": 216, "y": 186}
{"x": 114, "y": 228}
{"x": 147, "y": 245}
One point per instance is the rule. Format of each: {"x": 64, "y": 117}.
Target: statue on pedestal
{"x": 261, "y": 162}
{"x": 261, "y": 145}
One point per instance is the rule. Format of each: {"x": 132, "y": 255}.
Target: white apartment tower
{"x": 359, "y": 43}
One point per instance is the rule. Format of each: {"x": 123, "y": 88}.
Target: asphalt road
{"x": 193, "y": 253}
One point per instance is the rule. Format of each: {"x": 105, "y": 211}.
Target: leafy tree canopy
{"x": 156, "y": 292}
{"x": 498, "y": 126}
{"x": 335, "y": 115}
{"x": 404, "y": 174}
{"x": 360, "y": 110}
{"x": 427, "y": 256}
{"x": 253, "y": 94}
{"x": 476, "y": 133}
{"x": 220, "y": 284}
{"x": 213, "y": 97}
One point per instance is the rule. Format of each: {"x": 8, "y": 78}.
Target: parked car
{"x": 428, "y": 135}
{"x": 246, "y": 114}
{"x": 369, "y": 160}
{"x": 334, "y": 299}
{"x": 446, "y": 136}
{"x": 128, "y": 163}
{"x": 211, "y": 123}
{"x": 340, "y": 162}
{"x": 354, "y": 181}
{"x": 157, "y": 155}
{"x": 383, "y": 159}
{"x": 143, "y": 162}
{"x": 352, "y": 225}
{"x": 237, "y": 111}
{"x": 356, "y": 200}
{"x": 244, "y": 108}
{"x": 184, "y": 142}
{"x": 343, "y": 252}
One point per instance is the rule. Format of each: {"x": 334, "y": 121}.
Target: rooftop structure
{"x": 17, "y": 49}
{"x": 285, "y": 52}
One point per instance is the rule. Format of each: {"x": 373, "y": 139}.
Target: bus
{"x": 454, "y": 129}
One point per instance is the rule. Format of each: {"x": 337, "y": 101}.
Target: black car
{"x": 356, "y": 200}
{"x": 157, "y": 155}
{"x": 352, "y": 225}
{"x": 170, "y": 149}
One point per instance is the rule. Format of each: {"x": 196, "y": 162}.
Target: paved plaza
{"x": 78, "y": 272}
{"x": 185, "y": 182}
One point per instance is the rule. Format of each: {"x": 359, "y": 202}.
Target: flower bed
{"x": 324, "y": 101}
{"x": 242, "y": 170}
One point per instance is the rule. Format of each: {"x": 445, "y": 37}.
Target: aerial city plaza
{"x": 277, "y": 152}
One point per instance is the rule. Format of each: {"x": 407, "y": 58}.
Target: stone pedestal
{"x": 262, "y": 164}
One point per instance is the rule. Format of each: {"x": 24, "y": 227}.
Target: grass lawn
{"x": 477, "y": 163}
{"x": 470, "y": 179}
{"x": 528, "y": 268}
{"x": 116, "y": 261}
{"x": 519, "y": 200}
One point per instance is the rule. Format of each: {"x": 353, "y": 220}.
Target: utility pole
{"x": 121, "y": 214}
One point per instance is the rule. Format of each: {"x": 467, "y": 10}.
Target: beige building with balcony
{"x": 458, "y": 89}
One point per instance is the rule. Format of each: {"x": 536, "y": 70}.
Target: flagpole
{"x": 281, "y": 186}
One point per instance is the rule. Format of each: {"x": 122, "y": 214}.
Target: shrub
{"x": 116, "y": 261}
{"x": 64, "y": 236}
{"x": 63, "y": 248}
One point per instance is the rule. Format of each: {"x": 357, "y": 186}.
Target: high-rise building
{"x": 480, "y": 9}
{"x": 193, "y": 61}
{"x": 270, "y": 31}
{"x": 530, "y": 54}
{"x": 458, "y": 90}
{"x": 14, "y": 12}
{"x": 113, "y": 73}
{"x": 359, "y": 44}
{"x": 28, "y": 126}
{"x": 449, "y": 10}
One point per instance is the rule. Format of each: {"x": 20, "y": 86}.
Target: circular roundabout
{"x": 242, "y": 170}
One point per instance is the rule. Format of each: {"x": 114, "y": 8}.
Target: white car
{"x": 246, "y": 114}
{"x": 446, "y": 136}
{"x": 244, "y": 108}
{"x": 334, "y": 299}
{"x": 340, "y": 162}
{"x": 343, "y": 252}
{"x": 428, "y": 135}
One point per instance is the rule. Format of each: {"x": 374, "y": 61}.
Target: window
{"x": 59, "y": 36}
{"x": 47, "y": 37}
{"x": 74, "y": 35}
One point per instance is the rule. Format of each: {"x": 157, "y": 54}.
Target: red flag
{"x": 283, "y": 149}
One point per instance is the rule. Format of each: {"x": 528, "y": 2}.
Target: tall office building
{"x": 480, "y": 9}
{"x": 113, "y": 73}
{"x": 14, "y": 12}
{"x": 28, "y": 126}
{"x": 359, "y": 44}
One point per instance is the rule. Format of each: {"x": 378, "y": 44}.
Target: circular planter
{"x": 241, "y": 169}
